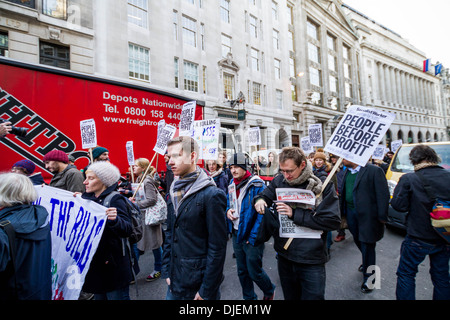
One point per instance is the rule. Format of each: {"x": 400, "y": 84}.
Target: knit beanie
{"x": 239, "y": 159}
{"x": 56, "y": 155}
{"x": 106, "y": 172}
{"x": 98, "y": 151}
{"x": 320, "y": 155}
{"x": 25, "y": 164}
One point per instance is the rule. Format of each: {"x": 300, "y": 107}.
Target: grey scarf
{"x": 314, "y": 183}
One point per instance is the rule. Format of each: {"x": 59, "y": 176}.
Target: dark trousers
{"x": 413, "y": 252}
{"x": 301, "y": 281}
{"x": 367, "y": 249}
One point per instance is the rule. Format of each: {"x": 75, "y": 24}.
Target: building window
{"x": 274, "y": 10}
{"x": 291, "y": 67}
{"x": 226, "y": 45}
{"x": 54, "y": 55}
{"x": 279, "y": 99}
{"x": 189, "y": 31}
{"x": 228, "y": 86}
{"x": 312, "y": 30}
{"x": 204, "y": 80}
{"x": 331, "y": 42}
{"x": 175, "y": 24}
{"x": 55, "y": 8}
{"x": 315, "y": 76}
{"x": 26, "y": 3}
{"x": 139, "y": 62}
{"x": 225, "y": 10}
{"x": 276, "y": 39}
{"x": 256, "y": 93}
{"x": 313, "y": 53}
{"x": 277, "y": 65}
{"x": 290, "y": 14}
{"x": 348, "y": 90}
{"x": 202, "y": 35}
{"x": 254, "y": 26}
{"x": 4, "y": 44}
{"x": 294, "y": 92}
{"x": 291, "y": 41}
{"x": 334, "y": 85}
{"x": 255, "y": 59}
{"x": 176, "y": 72}
{"x": 190, "y": 76}
{"x": 138, "y": 12}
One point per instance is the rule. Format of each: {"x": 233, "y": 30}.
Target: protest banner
{"x": 379, "y": 152}
{"x": 359, "y": 133}
{"x": 254, "y": 136}
{"x": 88, "y": 136}
{"x": 305, "y": 145}
{"x": 315, "y": 135}
{"x": 161, "y": 125}
{"x": 206, "y": 133}
{"x": 187, "y": 119}
{"x": 165, "y": 136}
{"x": 288, "y": 229}
{"x": 76, "y": 229}
{"x": 396, "y": 144}
{"x": 130, "y": 157}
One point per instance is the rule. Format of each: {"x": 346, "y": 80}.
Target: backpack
{"x": 440, "y": 213}
{"x": 136, "y": 217}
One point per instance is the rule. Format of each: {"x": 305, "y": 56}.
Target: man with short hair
{"x": 196, "y": 236}
{"x": 365, "y": 201}
{"x": 245, "y": 227}
{"x": 301, "y": 266}
{"x": 421, "y": 238}
{"x": 65, "y": 176}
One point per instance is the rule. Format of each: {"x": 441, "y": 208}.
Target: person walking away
{"x": 364, "y": 202}
{"x": 421, "y": 239}
{"x": 110, "y": 272}
{"x": 152, "y": 238}
{"x": 301, "y": 266}
{"x": 196, "y": 236}
{"x": 246, "y": 222}
{"x": 28, "y": 276}
{"x": 65, "y": 176}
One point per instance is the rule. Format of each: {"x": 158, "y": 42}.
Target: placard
{"x": 315, "y": 135}
{"x": 187, "y": 119}
{"x": 206, "y": 133}
{"x": 379, "y": 152}
{"x": 396, "y": 144}
{"x": 130, "y": 152}
{"x": 88, "y": 134}
{"x": 254, "y": 136}
{"x": 359, "y": 133}
{"x": 306, "y": 146}
{"x": 165, "y": 136}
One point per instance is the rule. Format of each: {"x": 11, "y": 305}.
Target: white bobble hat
{"x": 106, "y": 172}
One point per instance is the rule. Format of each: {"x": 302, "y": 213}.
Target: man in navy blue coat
{"x": 196, "y": 236}
{"x": 365, "y": 202}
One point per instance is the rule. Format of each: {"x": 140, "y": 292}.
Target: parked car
{"x": 400, "y": 165}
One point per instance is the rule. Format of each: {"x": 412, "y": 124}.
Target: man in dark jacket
{"x": 33, "y": 278}
{"x": 421, "y": 239}
{"x": 196, "y": 236}
{"x": 65, "y": 176}
{"x": 364, "y": 200}
{"x": 245, "y": 225}
{"x": 301, "y": 265}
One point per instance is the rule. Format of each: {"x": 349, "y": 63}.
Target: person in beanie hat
{"x": 100, "y": 154}
{"x": 110, "y": 271}
{"x": 26, "y": 167}
{"x": 245, "y": 226}
{"x": 65, "y": 176}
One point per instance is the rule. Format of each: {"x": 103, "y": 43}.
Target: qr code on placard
{"x": 315, "y": 135}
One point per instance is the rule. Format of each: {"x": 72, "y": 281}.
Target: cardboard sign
{"x": 166, "y": 135}
{"x": 379, "y": 152}
{"x": 88, "y": 134}
{"x": 187, "y": 119}
{"x": 396, "y": 144}
{"x": 359, "y": 133}
{"x": 130, "y": 153}
{"x": 254, "y": 136}
{"x": 76, "y": 229}
{"x": 315, "y": 135}
{"x": 305, "y": 145}
{"x": 206, "y": 132}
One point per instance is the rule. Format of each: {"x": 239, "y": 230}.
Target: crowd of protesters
{"x": 208, "y": 206}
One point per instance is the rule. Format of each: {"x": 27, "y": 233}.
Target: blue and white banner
{"x": 76, "y": 229}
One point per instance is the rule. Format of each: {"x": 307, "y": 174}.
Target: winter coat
{"x": 249, "y": 219}
{"x": 152, "y": 235}
{"x": 324, "y": 217}
{"x": 196, "y": 240}
{"x": 33, "y": 254}
{"x": 110, "y": 268}
{"x": 37, "y": 179}
{"x": 410, "y": 196}
{"x": 221, "y": 181}
{"x": 69, "y": 179}
{"x": 371, "y": 200}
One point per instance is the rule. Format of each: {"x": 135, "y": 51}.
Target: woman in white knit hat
{"x": 110, "y": 271}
